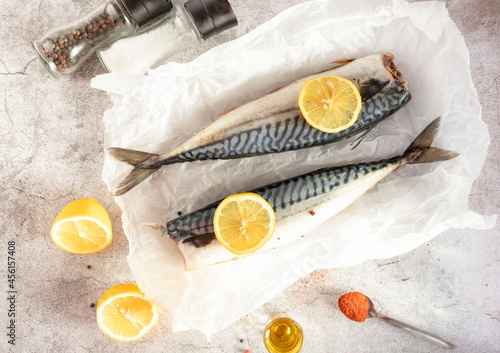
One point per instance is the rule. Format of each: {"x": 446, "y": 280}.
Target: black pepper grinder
{"x": 64, "y": 49}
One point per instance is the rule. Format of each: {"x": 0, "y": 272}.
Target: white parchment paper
{"x": 158, "y": 112}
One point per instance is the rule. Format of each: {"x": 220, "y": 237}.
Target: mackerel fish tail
{"x": 421, "y": 151}
{"x": 144, "y": 165}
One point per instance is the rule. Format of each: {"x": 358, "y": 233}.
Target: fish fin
{"x": 201, "y": 240}
{"x": 339, "y": 63}
{"x": 360, "y": 138}
{"x": 420, "y": 150}
{"x": 425, "y": 138}
{"x": 135, "y": 177}
{"x": 371, "y": 87}
{"x": 144, "y": 166}
{"x": 131, "y": 157}
{"x": 434, "y": 154}
{"x": 342, "y": 62}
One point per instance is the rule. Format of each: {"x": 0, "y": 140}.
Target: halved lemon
{"x": 82, "y": 227}
{"x": 330, "y": 103}
{"x": 124, "y": 314}
{"x": 243, "y": 223}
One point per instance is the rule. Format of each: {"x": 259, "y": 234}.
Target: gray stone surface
{"x": 52, "y": 153}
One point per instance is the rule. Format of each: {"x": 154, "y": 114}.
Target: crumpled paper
{"x": 158, "y": 112}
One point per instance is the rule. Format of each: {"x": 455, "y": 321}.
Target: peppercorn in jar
{"x": 64, "y": 49}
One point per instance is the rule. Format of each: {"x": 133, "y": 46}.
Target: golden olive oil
{"x": 283, "y": 335}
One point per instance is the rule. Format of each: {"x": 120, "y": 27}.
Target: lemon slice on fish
{"x": 330, "y": 103}
{"x": 243, "y": 223}
{"x": 124, "y": 314}
{"x": 82, "y": 227}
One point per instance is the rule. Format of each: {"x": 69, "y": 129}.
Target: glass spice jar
{"x": 64, "y": 49}
{"x": 185, "y": 27}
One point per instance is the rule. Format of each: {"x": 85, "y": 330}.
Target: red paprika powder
{"x": 354, "y": 305}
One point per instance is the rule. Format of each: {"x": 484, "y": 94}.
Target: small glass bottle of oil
{"x": 283, "y": 334}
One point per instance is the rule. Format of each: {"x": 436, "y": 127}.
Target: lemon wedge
{"x": 124, "y": 314}
{"x": 82, "y": 227}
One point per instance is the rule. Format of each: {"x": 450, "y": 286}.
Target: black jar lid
{"x": 211, "y": 16}
{"x": 143, "y": 11}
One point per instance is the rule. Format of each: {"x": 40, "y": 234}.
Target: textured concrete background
{"x": 52, "y": 153}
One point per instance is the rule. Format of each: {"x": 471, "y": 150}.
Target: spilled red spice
{"x": 354, "y": 305}
{"x": 312, "y": 213}
{"x": 299, "y": 296}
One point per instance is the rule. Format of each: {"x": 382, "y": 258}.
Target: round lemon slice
{"x": 243, "y": 223}
{"x": 330, "y": 103}
{"x": 124, "y": 314}
{"x": 82, "y": 227}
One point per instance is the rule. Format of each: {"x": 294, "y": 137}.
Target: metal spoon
{"x": 414, "y": 331}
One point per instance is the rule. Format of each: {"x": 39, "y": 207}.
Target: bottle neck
{"x": 162, "y": 21}
{"x": 142, "y": 12}
{"x": 190, "y": 22}
{"x": 177, "y": 13}
{"x": 128, "y": 19}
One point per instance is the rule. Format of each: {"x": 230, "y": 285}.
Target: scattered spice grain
{"x": 299, "y": 296}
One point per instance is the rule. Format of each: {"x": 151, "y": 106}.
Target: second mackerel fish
{"x": 274, "y": 123}
{"x": 327, "y": 191}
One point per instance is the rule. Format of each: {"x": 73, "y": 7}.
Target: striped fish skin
{"x": 292, "y": 132}
{"x": 326, "y": 192}
{"x": 274, "y": 122}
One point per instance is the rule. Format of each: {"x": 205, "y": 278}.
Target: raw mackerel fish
{"x": 327, "y": 191}
{"x": 274, "y": 123}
